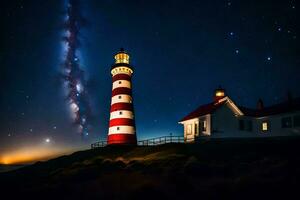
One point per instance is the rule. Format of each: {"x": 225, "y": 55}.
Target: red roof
{"x": 284, "y": 107}
{"x": 203, "y": 110}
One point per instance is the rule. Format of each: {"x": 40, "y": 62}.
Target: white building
{"x": 224, "y": 119}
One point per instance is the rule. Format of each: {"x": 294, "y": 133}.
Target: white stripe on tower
{"x": 121, "y": 98}
{"x": 121, "y": 129}
{"x": 121, "y": 114}
{"x": 121, "y": 83}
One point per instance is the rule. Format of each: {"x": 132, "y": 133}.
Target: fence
{"x": 161, "y": 140}
{"x": 98, "y": 144}
{"x": 148, "y": 142}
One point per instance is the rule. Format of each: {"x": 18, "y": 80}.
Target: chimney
{"x": 260, "y": 104}
{"x": 219, "y": 94}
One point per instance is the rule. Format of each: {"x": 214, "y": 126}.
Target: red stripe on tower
{"x": 122, "y": 123}
{"x": 121, "y": 106}
{"x": 120, "y": 91}
{"x": 118, "y": 77}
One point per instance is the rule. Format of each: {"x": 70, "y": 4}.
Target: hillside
{"x": 6, "y": 168}
{"x": 236, "y": 169}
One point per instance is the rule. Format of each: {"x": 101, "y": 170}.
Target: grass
{"x": 216, "y": 169}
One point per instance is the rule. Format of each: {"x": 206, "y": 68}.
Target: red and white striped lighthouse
{"x": 121, "y": 123}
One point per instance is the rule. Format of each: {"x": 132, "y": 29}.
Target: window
{"x": 265, "y": 126}
{"x": 120, "y": 113}
{"x": 286, "y": 122}
{"x": 249, "y": 125}
{"x": 120, "y": 97}
{"x": 241, "y": 125}
{"x": 118, "y": 128}
{"x": 196, "y": 129}
{"x": 203, "y": 125}
{"x": 297, "y": 121}
{"x": 245, "y": 125}
{"x": 120, "y": 82}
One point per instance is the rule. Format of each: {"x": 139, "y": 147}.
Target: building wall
{"x": 190, "y": 129}
{"x": 275, "y": 125}
{"x": 224, "y": 123}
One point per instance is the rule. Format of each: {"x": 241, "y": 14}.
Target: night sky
{"x": 180, "y": 50}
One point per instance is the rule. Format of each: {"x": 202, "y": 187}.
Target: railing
{"x": 161, "y": 140}
{"x": 98, "y": 144}
{"x": 149, "y": 142}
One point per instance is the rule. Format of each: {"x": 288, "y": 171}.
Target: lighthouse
{"x": 121, "y": 123}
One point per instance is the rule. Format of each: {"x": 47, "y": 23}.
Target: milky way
{"x": 73, "y": 75}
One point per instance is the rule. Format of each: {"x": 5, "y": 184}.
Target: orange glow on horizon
{"x": 31, "y": 154}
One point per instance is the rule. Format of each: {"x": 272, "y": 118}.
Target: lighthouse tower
{"x": 121, "y": 123}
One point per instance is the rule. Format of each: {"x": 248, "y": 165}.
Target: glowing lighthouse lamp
{"x": 219, "y": 94}
{"x": 122, "y": 123}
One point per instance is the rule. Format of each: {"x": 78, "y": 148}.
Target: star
{"x": 47, "y": 140}
{"x": 231, "y": 33}
{"x": 31, "y": 130}
{"x": 269, "y": 58}
{"x": 279, "y": 29}
{"x": 54, "y": 127}
{"x": 237, "y": 51}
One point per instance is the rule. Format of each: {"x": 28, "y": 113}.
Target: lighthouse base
{"x": 122, "y": 139}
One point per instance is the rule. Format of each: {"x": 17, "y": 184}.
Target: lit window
{"x": 120, "y": 97}
{"x": 264, "y": 126}
{"x": 286, "y": 122}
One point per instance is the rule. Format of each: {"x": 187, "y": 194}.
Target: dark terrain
{"x": 235, "y": 169}
{"x": 6, "y": 168}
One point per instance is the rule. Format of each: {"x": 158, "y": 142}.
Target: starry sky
{"x": 180, "y": 50}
